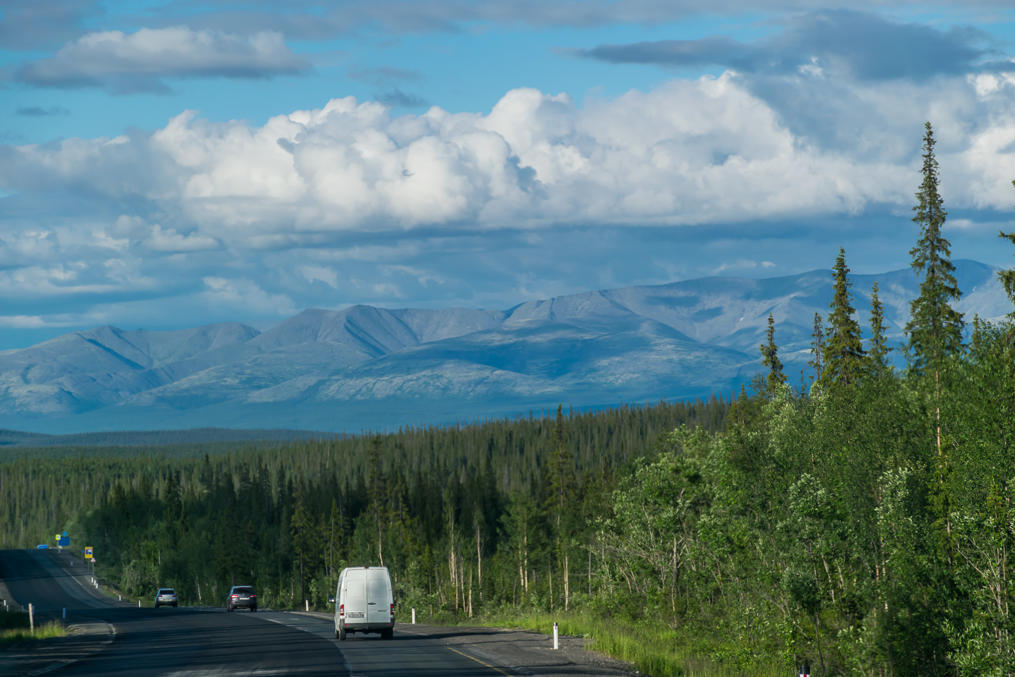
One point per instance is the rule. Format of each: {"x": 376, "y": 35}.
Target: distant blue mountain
{"x": 366, "y": 368}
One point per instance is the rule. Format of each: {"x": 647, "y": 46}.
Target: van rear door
{"x": 356, "y": 597}
{"x": 378, "y": 593}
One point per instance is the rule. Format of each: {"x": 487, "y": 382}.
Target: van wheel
{"x": 387, "y": 634}
{"x": 341, "y": 633}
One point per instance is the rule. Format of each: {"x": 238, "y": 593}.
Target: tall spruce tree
{"x": 878, "y": 352}
{"x": 770, "y": 358}
{"x": 817, "y": 346}
{"x": 843, "y": 355}
{"x": 935, "y": 328}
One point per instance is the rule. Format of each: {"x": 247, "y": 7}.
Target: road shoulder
{"x": 43, "y": 656}
{"x": 516, "y": 652}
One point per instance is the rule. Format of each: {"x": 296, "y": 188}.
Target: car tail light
{"x": 341, "y": 609}
{"x": 252, "y": 595}
{"x": 235, "y": 596}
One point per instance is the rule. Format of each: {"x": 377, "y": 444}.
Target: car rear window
{"x": 242, "y": 591}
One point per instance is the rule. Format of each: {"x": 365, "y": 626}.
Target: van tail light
{"x": 392, "y": 610}
{"x": 341, "y": 609}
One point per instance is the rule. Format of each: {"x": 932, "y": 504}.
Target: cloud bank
{"x": 348, "y": 203}
{"x": 848, "y": 43}
{"x": 140, "y": 61}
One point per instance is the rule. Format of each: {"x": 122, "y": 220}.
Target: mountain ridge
{"x": 364, "y": 367}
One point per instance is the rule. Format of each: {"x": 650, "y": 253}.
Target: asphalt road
{"x": 210, "y": 641}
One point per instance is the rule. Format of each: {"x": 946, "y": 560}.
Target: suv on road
{"x": 241, "y": 596}
{"x": 165, "y": 597}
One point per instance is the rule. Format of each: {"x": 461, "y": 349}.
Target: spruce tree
{"x": 843, "y": 356}
{"x": 770, "y": 358}
{"x": 935, "y": 328}
{"x": 879, "y": 349}
{"x": 817, "y": 346}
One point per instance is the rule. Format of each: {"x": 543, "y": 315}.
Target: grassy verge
{"x": 655, "y": 650}
{"x": 14, "y": 627}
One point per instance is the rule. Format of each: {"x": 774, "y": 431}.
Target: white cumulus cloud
{"x": 689, "y": 152}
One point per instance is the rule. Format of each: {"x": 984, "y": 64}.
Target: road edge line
{"x": 483, "y": 663}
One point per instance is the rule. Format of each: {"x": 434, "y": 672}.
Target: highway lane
{"x": 36, "y": 576}
{"x": 209, "y": 641}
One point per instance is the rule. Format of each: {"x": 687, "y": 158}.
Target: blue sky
{"x": 175, "y": 163}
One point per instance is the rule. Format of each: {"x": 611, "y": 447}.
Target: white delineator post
{"x": 414, "y": 615}
{"x": 31, "y": 617}
{"x": 306, "y": 604}
{"x": 556, "y": 645}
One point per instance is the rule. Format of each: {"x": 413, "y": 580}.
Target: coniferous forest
{"x": 861, "y": 521}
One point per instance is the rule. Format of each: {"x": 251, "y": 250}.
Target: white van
{"x": 363, "y": 602}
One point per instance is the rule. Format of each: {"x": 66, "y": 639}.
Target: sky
{"x": 173, "y": 163}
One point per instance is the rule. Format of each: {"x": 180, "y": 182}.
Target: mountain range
{"x": 367, "y": 368}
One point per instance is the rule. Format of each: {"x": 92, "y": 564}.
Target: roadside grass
{"x": 658, "y": 651}
{"x": 14, "y": 627}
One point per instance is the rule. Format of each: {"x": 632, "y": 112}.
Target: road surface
{"x": 118, "y": 638}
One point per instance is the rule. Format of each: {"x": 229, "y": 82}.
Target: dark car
{"x": 165, "y": 597}
{"x": 241, "y": 596}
